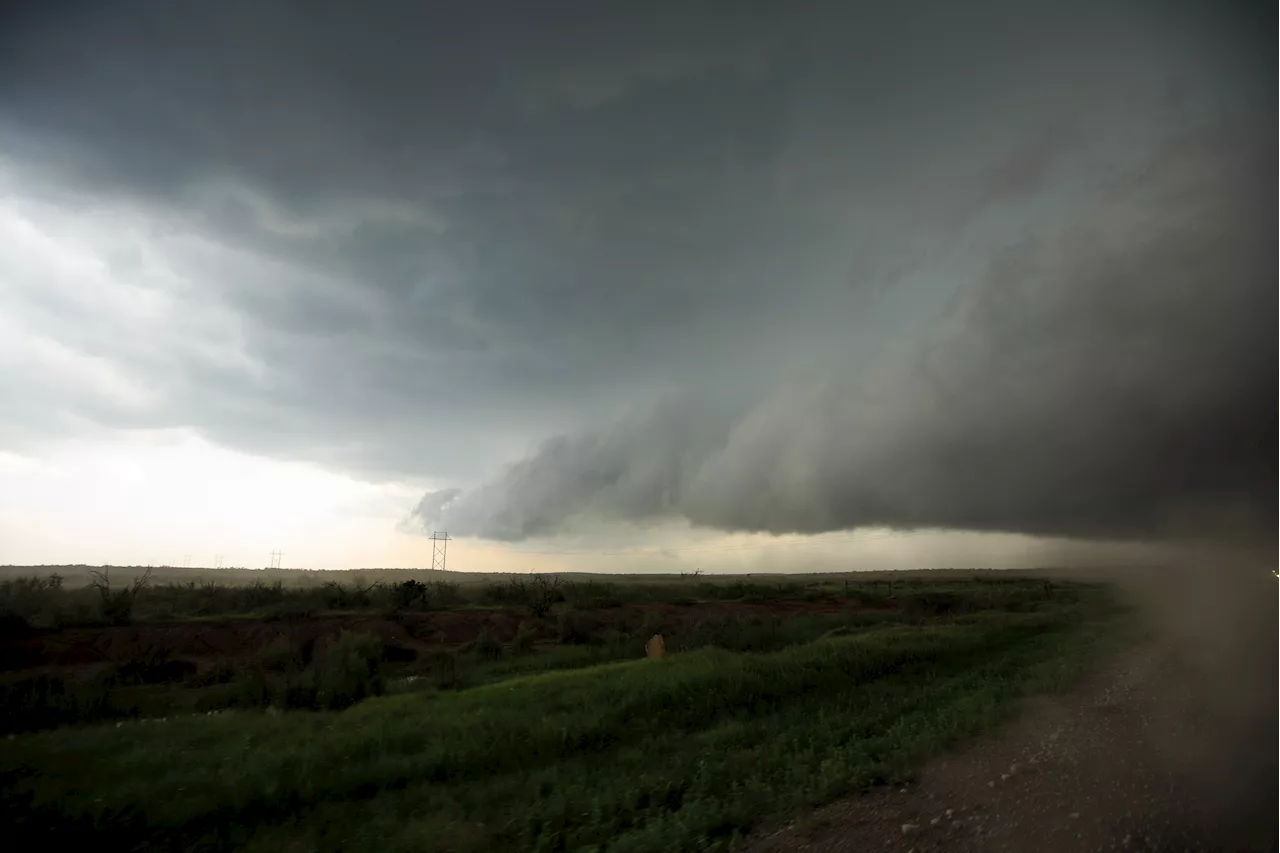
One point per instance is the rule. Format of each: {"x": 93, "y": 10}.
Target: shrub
{"x": 935, "y": 604}
{"x": 283, "y": 655}
{"x": 150, "y": 665}
{"x": 259, "y": 594}
{"x": 487, "y": 645}
{"x": 418, "y": 627}
{"x": 117, "y": 608}
{"x": 867, "y": 597}
{"x": 526, "y": 637}
{"x": 537, "y": 592}
{"x": 396, "y": 653}
{"x": 220, "y": 673}
{"x": 653, "y": 624}
{"x": 338, "y": 597}
{"x": 13, "y": 625}
{"x": 445, "y": 592}
{"x": 251, "y": 690}
{"x": 117, "y": 604}
{"x": 43, "y": 702}
{"x": 616, "y": 639}
{"x": 290, "y": 611}
{"x": 449, "y": 670}
{"x": 349, "y": 671}
{"x": 574, "y": 628}
{"x": 411, "y": 595}
{"x": 27, "y": 602}
{"x": 759, "y": 593}
{"x": 592, "y": 595}
{"x": 496, "y": 593}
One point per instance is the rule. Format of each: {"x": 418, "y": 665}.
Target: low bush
{"x": 448, "y": 670}
{"x": 396, "y": 653}
{"x": 446, "y": 593}
{"x": 220, "y": 673}
{"x": 417, "y": 627}
{"x": 149, "y": 665}
{"x": 339, "y": 597}
{"x": 290, "y": 610}
{"x": 116, "y": 604}
{"x": 867, "y": 597}
{"x": 539, "y": 593}
{"x": 411, "y": 595}
{"x": 576, "y": 629}
{"x": 653, "y": 623}
{"x": 46, "y": 702}
{"x": 283, "y": 654}
{"x": 592, "y": 595}
{"x": 294, "y": 676}
{"x": 936, "y": 604}
{"x": 13, "y": 625}
{"x": 253, "y": 689}
{"x": 486, "y": 644}
{"x": 349, "y": 671}
{"x": 24, "y": 600}
{"x": 525, "y": 639}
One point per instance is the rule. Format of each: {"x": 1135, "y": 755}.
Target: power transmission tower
{"x": 217, "y": 562}
{"x": 275, "y": 559}
{"x": 439, "y": 549}
{"x": 186, "y": 561}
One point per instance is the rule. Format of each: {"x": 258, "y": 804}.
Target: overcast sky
{"x": 657, "y": 280}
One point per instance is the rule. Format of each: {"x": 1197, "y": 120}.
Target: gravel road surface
{"x": 1170, "y": 746}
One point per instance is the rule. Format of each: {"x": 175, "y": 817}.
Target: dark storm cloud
{"x": 421, "y": 219}
{"x": 1112, "y": 380}
{"x": 412, "y": 240}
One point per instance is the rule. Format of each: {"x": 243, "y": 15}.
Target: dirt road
{"x": 1171, "y": 746}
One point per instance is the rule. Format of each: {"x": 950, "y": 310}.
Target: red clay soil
{"x": 228, "y": 639}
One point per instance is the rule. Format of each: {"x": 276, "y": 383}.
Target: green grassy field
{"x": 555, "y": 751}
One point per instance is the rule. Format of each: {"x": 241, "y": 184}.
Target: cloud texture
{"x": 802, "y": 267}
{"x": 1111, "y": 380}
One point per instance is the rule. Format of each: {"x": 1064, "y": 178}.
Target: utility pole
{"x": 439, "y": 549}
{"x": 275, "y": 559}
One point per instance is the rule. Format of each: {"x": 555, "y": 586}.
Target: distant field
{"x": 78, "y": 575}
{"x": 505, "y": 713}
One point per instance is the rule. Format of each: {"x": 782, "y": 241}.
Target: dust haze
{"x": 1212, "y": 609}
